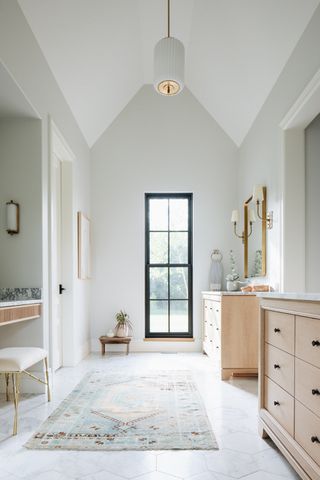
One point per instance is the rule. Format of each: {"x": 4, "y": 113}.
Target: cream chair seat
{"x": 16, "y": 360}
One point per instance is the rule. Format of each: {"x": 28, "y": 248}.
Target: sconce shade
{"x": 169, "y": 66}
{"x": 252, "y": 216}
{"x": 258, "y": 193}
{"x": 235, "y": 216}
{"x": 12, "y": 213}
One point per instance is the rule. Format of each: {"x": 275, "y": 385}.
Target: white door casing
{"x": 62, "y": 252}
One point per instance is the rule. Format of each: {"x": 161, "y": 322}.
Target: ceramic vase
{"x": 122, "y": 330}
{"x": 232, "y": 285}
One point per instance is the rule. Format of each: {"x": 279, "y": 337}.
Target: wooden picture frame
{"x": 84, "y": 247}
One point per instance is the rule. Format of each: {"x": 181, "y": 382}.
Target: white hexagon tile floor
{"x": 231, "y": 407}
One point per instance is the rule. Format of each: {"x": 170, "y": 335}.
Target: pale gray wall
{"x": 260, "y": 155}
{"x": 22, "y": 56}
{"x": 312, "y": 206}
{"x": 157, "y": 144}
{"x": 20, "y": 180}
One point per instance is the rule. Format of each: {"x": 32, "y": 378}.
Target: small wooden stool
{"x": 104, "y": 340}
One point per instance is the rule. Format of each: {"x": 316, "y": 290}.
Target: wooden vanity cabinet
{"x": 289, "y": 381}
{"x": 230, "y": 332}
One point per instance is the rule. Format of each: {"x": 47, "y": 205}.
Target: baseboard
{"x": 84, "y": 351}
{"x": 27, "y": 384}
{"x": 142, "y": 346}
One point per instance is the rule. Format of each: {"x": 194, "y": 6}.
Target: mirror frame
{"x": 246, "y": 234}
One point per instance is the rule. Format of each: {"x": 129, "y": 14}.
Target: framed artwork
{"x": 84, "y": 250}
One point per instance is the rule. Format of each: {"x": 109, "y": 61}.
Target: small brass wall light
{"x": 13, "y": 217}
{"x": 259, "y": 194}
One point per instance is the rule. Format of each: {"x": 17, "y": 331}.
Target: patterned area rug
{"x": 154, "y": 411}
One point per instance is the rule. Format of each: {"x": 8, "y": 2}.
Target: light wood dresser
{"x": 230, "y": 332}
{"x": 289, "y": 378}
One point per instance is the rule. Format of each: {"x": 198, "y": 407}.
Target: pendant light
{"x": 169, "y": 64}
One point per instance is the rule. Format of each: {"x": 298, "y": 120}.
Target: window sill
{"x": 168, "y": 339}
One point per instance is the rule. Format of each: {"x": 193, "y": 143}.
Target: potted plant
{"x": 123, "y": 326}
{"x": 232, "y": 277}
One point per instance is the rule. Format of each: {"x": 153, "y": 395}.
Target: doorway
{"x": 293, "y": 235}
{"x": 62, "y": 252}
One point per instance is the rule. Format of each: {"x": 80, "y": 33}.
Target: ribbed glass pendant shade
{"x": 169, "y": 66}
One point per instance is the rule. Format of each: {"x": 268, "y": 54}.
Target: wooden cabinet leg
{"x": 103, "y": 349}
{"x": 261, "y": 430}
{"x": 127, "y": 348}
{"x": 225, "y": 374}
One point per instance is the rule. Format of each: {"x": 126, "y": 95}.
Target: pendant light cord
{"x": 168, "y": 18}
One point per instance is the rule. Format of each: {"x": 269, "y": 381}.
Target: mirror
{"x": 255, "y": 231}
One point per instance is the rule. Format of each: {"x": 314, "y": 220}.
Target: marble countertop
{"x": 13, "y": 303}
{"x": 213, "y": 292}
{"x": 311, "y": 297}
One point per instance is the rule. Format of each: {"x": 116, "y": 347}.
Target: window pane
{"x": 158, "y": 282}
{"x": 178, "y": 214}
{"x": 158, "y": 214}
{"x": 179, "y": 282}
{"x": 179, "y": 316}
{"x": 158, "y": 247}
{"x": 158, "y": 316}
{"x": 179, "y": 247}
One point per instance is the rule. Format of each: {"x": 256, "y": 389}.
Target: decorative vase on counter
{"x": 216, "y": 271}
{"x": 232, "y": 285}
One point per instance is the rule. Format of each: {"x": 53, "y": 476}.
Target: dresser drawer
{"x": 279, "y": 366}
{"x": 307, "y": 431}
{"x": 308, "y": 340}
{"x": 307, "y": 385}
{"x": 279, "y": 404}
{"x": 279, "y": 330}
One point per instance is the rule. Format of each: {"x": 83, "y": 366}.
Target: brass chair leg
{"x": 7, "y": 386}
{"x": 47, "y": 378}
{"x": 15, "y": 388}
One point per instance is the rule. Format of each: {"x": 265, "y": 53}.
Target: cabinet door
{"x": 239, "y": 332}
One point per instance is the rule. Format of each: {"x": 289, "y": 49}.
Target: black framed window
{"x": 168, "y": 264}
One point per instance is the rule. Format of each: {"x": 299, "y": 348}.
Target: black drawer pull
{"x": 275, "y": 366}
{"x": 315, "y": 439}
{"x": 277, "y": 330}
{"x": 217, "y": 328}
{"x": 211, "y": 341}
{"x": 315, "y": 343}
{"x": 217, "y": 311}
{"x": 210, "y": 324}
{"x": 217, "y": 346}
{"x": 276, "y": 404}
{"x": 315, "y": 391}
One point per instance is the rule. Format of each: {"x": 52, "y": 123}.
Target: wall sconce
{"x": 13, "y": 217}
{"x": 235, "y": 220}
{"x": 259, "y": 194}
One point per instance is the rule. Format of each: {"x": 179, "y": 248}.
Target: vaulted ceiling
{"x": 101, "y": 52}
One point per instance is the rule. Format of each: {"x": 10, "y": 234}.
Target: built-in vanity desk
{"x": 230, "y": 332}
{"x": 289, "y": 378}
{"x": 19, "y": 311}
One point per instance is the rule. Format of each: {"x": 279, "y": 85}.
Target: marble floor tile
{"x": 231, "y": 463}
{"x": 182, "y": 464}
{"x": 231, "y": 408}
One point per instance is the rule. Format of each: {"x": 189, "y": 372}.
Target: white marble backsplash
{"x": 21, "y": 293}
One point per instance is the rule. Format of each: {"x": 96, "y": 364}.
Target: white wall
{"x": 21, "y": 54}
{"x": 260, "y": 155}
{"x": 157, "y": 144}
{"x": 20, "y": 180}
{"x": 312, "y": 206}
